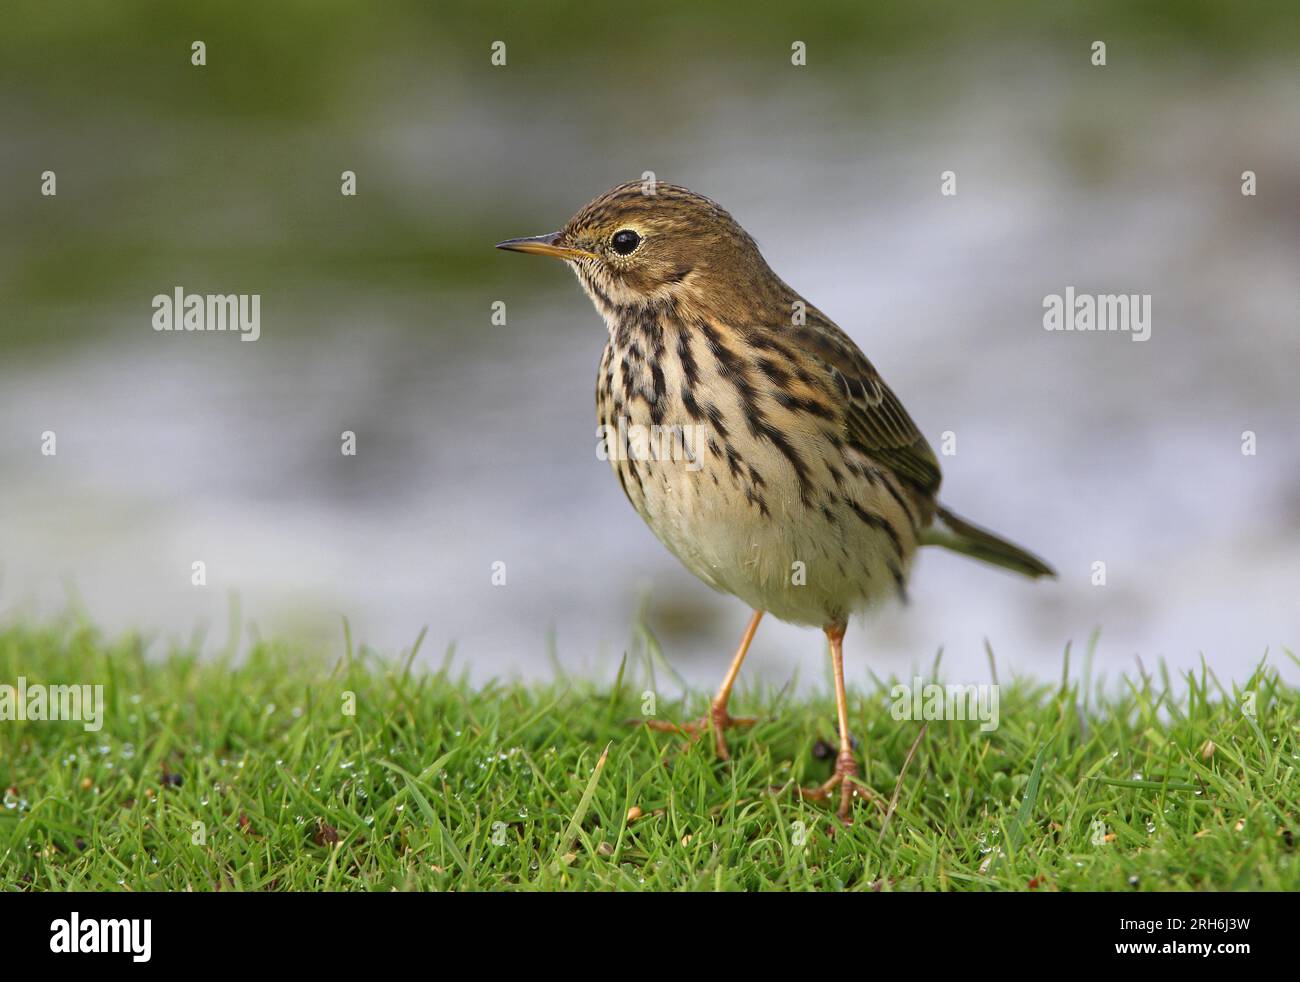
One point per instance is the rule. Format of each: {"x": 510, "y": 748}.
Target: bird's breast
{"x": 746, "y": 488}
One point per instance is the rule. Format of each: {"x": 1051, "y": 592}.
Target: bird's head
{"x": 645, "y": 243}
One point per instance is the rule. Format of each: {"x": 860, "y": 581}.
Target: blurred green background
{"x": 171, "y": 170}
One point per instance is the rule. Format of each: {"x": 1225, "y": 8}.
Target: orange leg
{"x": 718, "y": 719}
{"x": 846, "y": 768}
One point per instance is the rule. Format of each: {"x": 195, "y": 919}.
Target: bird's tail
{"x": 955, "y": 533}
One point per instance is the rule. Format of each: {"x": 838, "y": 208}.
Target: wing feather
{"x": 876, "y": 421}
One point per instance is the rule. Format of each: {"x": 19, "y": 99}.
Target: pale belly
{"x": 733, "y": 512}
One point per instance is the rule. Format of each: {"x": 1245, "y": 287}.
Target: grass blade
{"x": 584, "y": 803}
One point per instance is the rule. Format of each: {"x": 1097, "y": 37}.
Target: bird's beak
{"x": 544, "y": 245}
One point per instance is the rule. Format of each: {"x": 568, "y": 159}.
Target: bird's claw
{"x": 717, "y": 720}
{"x": 850, "y": 785}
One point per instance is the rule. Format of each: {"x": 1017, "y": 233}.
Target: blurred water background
{"x": 477, "y": 442}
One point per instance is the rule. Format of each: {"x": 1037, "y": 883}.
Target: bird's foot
{"x": 717, "y": 720}
{"x": 846, "y": 779}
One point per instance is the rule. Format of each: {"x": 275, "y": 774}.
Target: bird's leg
{"x": 846, "y": 768}
{"x": 717, "y": 719}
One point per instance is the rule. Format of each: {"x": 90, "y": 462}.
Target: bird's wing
{"x": 876, "y": 420}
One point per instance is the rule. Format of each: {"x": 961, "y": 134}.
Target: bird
{"x": 773, "y": 461}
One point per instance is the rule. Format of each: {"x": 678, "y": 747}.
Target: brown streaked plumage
{"x": 810, "y": 488}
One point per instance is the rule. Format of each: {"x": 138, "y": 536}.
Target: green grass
{"x": 433, "y": 784}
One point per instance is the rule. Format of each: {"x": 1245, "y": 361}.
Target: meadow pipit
{"x": 809, "y": 488}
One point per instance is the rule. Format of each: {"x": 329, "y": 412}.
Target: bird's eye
{"x": 625, "y": 241}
